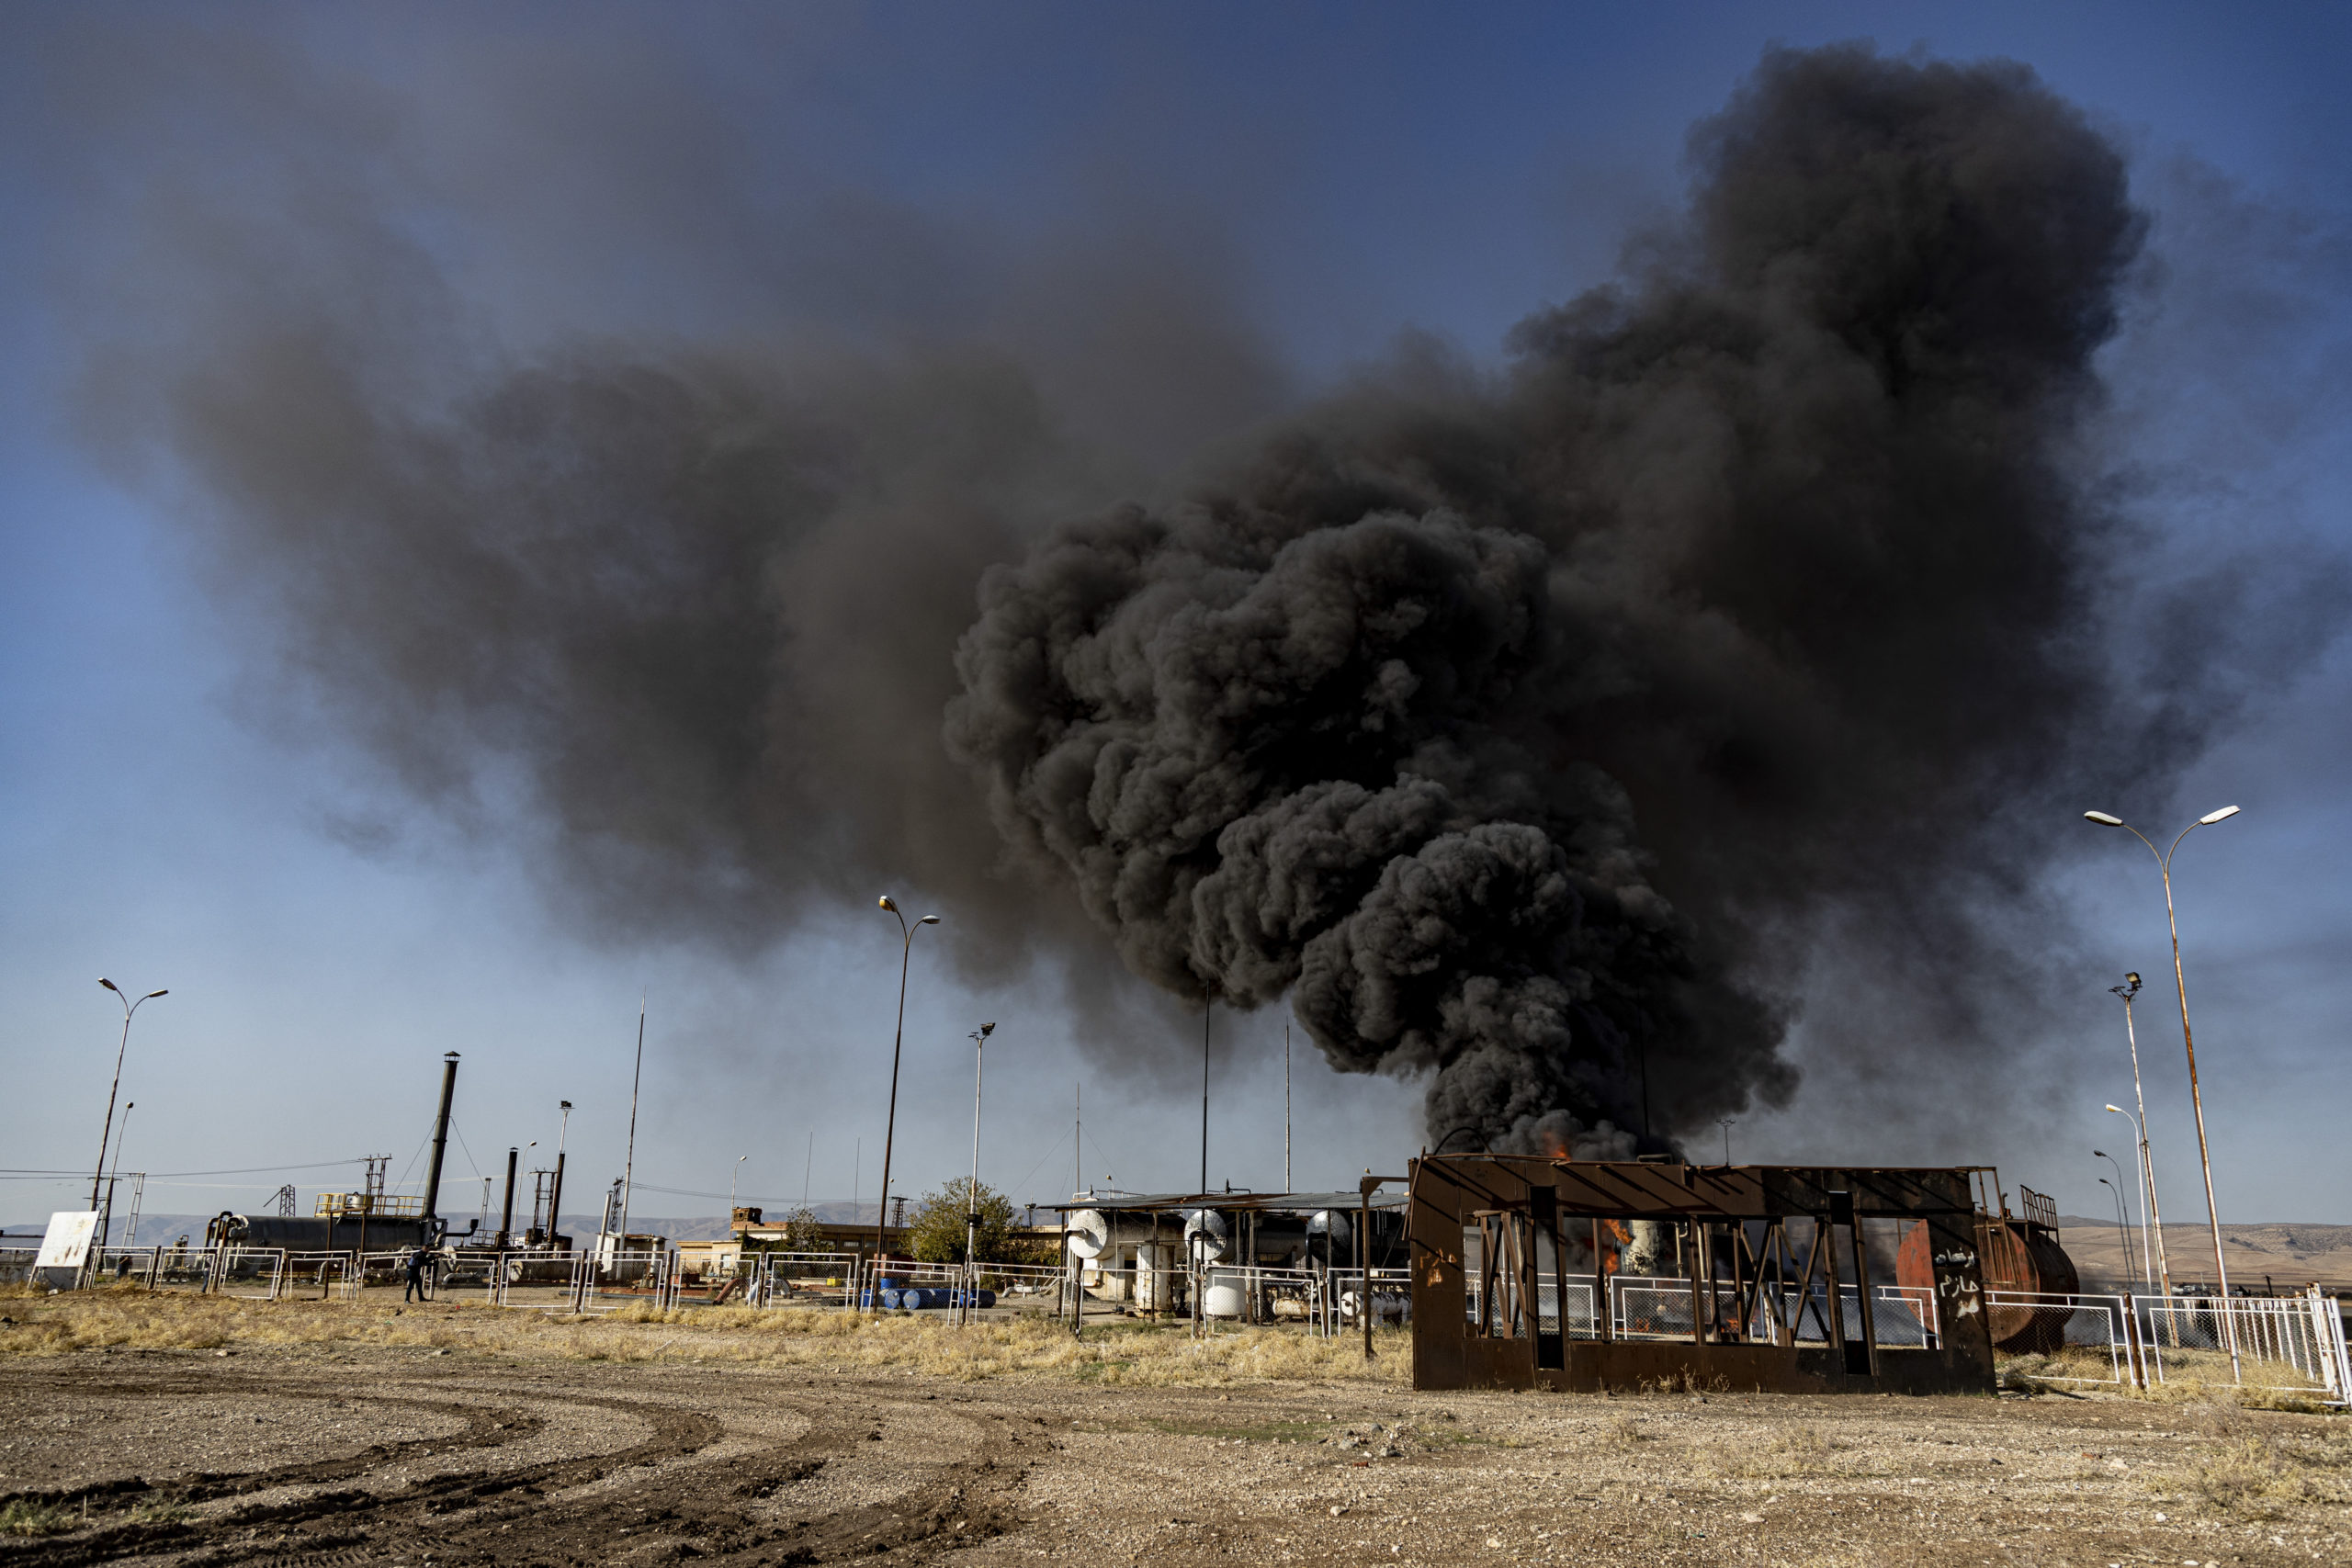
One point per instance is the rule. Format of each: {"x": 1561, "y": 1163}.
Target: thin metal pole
{"x": 105, "y": 1225}
{"x": 629, "y": 1167}
{"x": 1644, "y": 1048}
{"x": 2152, "y": 1216}
{"x": 2123, "y": 1224}
{"x": 1286, "y": 1177}
{"x": 972, "y": 1195}
{"x": 891, "y": 1126}
{"x": 1208, "y": 1006}
{"x": 2196, "y": 1103}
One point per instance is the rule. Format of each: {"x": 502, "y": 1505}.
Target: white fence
{"x": 2292, "y": 1344}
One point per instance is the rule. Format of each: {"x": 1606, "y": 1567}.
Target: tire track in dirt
{"x": 579, "y": 1509}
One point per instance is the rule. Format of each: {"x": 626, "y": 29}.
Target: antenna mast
{"x": 628, "y": 1167}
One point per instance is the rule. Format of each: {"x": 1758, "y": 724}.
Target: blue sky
{"x": 1317, "y": 181}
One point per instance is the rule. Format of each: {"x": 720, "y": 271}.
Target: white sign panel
{"x": 67, "y": 1244}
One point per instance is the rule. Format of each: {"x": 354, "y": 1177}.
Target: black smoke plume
{"x": 1521, "y": 729}
{"x": 1489, "y": 726}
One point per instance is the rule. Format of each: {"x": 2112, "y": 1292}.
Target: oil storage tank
{"x": 2016, "y": 1256}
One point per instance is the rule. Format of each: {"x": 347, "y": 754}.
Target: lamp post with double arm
{"x": 105, "y": 1134}
{"x": 2188, "y": 1044}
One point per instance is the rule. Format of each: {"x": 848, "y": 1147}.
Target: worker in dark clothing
{"x": 418, "y": 1289}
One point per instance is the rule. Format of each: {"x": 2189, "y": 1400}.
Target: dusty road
{"x": 375, "y": 1454}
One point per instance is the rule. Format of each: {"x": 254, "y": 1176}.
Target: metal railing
{"x": 2293, "y": 1344}
{"x": 256, "y": 1272}
{"x": 1662, "y": 1308}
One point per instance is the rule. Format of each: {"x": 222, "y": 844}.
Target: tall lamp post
{"x": 890, "y": 1127}
{"x": 2151, "y": 1236}
{"x": 2122, "y": 1215}
{"x": 2188, "y": 1044}
{"x": 105, "y": 1136}
{"x": 978, "y": 1037}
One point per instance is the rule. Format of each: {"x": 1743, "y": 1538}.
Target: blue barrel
{"x": 892, "y": 1300}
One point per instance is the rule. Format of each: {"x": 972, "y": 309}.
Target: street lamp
{"x": 2122, "y": 1217}
{"x": 105, "y": 1136}
{"x": 2188, "y": 1044}
{"x": 1726, "y": 1123}
{"x": 2148, "y": 1205}
{"x": 734, "y": 1177}
{"x": 978, "y": 1037}
{"x": 2152, "y": 1237}
{"x": 890, "y": 1127}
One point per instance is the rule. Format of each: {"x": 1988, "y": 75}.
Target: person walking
{"x": 416, "y": 1291}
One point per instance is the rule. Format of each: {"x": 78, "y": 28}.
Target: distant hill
{"x": 2291, "y": 1255}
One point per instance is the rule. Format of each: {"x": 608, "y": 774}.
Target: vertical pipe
{"x": 440, "y": 1140}
{"x": 506, "y": 1218}
{"x": 1364, "y": 1232}
{"x": 555, "y": 1203}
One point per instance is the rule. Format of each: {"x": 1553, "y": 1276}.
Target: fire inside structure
{"x": 1763, "y": 1278}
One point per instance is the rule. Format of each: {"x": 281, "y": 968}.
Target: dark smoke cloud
{"x": 1496, "y": 726}
{"x": 1522, "y": 729}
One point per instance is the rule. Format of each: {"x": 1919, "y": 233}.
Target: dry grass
{"x": 2261, "y": 1474}
{"x": 1625, "y": 1432}
{"x": 1797, "y": 1450}
{"x": 20, "y": 1517}
{"x": 2190, "y": 1377}
{"x": 1138, "y": 1354}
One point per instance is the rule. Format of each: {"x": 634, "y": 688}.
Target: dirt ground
{"x": 414, "y": 1454}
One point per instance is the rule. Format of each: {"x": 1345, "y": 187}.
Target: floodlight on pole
{"x": 970, "y": 1306}
{"x": 2188, "y": 1045}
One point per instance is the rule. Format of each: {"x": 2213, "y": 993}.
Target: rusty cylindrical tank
{"x": 2015, "y": 1257}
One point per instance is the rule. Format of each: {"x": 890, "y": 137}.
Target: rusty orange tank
{"x": 2016, "y": 1255}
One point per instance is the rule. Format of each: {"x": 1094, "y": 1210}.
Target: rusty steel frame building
{"x": 1512, "y": 1221}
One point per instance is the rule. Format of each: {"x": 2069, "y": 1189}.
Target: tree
{"x": 801, "y": 1232}
{"x": 936, "y": 1232}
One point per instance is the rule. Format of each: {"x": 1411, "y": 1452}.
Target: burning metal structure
{"x": 1584, "y": 1275}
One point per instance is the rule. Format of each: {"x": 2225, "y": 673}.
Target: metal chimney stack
{"x": 506, "y": 1217}
{"x": 440, "y": 1138}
